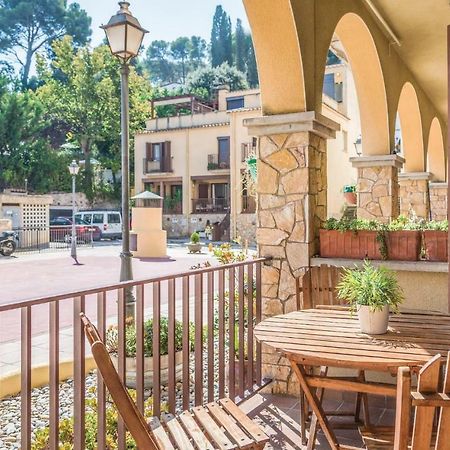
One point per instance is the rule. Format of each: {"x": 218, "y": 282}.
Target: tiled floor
{"x": 280, "y": 418}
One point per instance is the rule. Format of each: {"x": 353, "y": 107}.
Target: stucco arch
{"x": 362, "y": 54}
{"x": 411, "y": 128}
{"x": 278, "y": 55}
{"x": 435, "y": 152}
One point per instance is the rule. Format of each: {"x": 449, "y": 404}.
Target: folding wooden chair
{"x": 219, "y": 425}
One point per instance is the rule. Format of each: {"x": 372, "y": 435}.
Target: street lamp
{"x": 73, "y": 169}
{"x": 125, "y": 34}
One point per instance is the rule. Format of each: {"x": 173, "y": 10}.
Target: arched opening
{"x": 360, "y": 49}
{"x": 411, "y": 130}
{"x": 435, "y": 152}
{"x": 278, "y": 56}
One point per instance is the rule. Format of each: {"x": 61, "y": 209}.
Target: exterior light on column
{"x": 74, "y": 168}
{"x": 125, "y": 34}
{"x": 358, "y": 145}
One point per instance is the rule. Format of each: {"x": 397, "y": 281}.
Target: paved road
{"x": 31, "y": 276}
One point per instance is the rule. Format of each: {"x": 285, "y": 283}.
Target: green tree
{"x": 221, "y": 38}
{"x": 198, "y": 52}
{"x": 180, "y": 50}
{"x": 208, "y": 79}
{"x": 252, "y": 68}
{"x": 86, "y": 99}
{"x": 241, "y": 47}
{"x": 158, "y": 62}
{"x": 27, "y": 26}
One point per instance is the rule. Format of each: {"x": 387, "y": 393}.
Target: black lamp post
{"x": 125, "y": 34}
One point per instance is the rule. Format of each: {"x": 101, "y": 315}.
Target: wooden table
{"x": 329, "y": 337}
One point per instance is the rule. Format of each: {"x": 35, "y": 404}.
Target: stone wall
{"x": 182, "y": 225}
{"x": 377, "y": 187}
{"x": 414, "y": 194}
{"x": 438, "y": 201}
{"x": 246, "y": 228}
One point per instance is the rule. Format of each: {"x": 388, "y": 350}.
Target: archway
{"x": 435, "y": 152}
{"x": 278, "y": 56}
{"x": 362, "y": 55}
{"x": 411, "y": 129}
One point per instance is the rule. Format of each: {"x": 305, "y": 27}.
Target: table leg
{"x": 313, "y": 428}
{"x": 314, "y": 402}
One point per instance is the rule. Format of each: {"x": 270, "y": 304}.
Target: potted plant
{"x": 194, "y": 245}
{"x": 371, "y": 292}
{"x": 403, "y": 239}
{"x": 112, "y": 344}
{"x": 435, "y": 240}
{"x": 350, "y": 194}
{"x": 355, "y": 238}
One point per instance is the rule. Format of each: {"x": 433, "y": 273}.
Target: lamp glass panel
{"x": 116, "y": 39}
{"x": 134, "y": 40}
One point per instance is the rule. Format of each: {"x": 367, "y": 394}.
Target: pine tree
{"x": 252, "y": 68}
{"x": 241, "y": 46}
{"x": 216, "y": 47}
{"x": 226, "y": 39}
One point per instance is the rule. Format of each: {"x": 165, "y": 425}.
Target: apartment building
{"x": 196, "y": 161}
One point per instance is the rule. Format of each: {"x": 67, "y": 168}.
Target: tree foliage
{"x": 27, "y": 26}
{"x": 85, "y": 98}
{"x": 221, "y": 38}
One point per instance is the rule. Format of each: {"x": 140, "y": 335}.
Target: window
{"x": 87, "y": 218}
{"x": 235, "y": 102}
{"x": 224, "y": 152}
{"x": 97, "y": 218}
{"x": 113, "y": 218}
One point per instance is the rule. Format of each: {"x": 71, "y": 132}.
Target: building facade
{"x": 196, "y": 162}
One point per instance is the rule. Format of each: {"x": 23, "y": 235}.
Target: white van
{"x": 109, "y": 222}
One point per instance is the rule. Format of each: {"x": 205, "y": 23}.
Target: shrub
{"x": 435, "y": 225}
{"x": 195, "y": 238}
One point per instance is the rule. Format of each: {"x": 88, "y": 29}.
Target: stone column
{"x": 377, "y": 186}
{"x": 292, "y": 196}
{"x": 438, "y": 200}
{"x": 414, "y": 195}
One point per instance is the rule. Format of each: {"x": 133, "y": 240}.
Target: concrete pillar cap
{"x": 377, "y": 161}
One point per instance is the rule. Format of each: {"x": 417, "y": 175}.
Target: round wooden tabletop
{"x": 328, "y": 337}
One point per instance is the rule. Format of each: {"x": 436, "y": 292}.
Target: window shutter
{"x": 167, "y": 157}
{"x": 149, "y": 151}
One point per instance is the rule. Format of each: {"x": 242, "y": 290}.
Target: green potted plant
{"x": 371, "y": 292}
{"x": 195, "y": 246}
{"x": 112, "y": 344}
{"x": 350, "y": 238}
{"x": 349, "y": 191}
{"x": 435, "y": 240}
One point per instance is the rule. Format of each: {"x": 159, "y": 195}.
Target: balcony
{"x": 248, "y": 205}
{"x": 150, "y": 166}
{"x": 172, "y": 206}
{"x": 215, "y": 164}
{"x": 210, "y": 205}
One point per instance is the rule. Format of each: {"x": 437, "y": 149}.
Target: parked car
{"x": 61, "y": 230}
{"x": 109, "y": 222}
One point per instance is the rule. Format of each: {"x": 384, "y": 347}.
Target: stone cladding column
{"x": 414, "y": 195}
{"x": 377, "y": 187}
{"x": 438, "y": 200}
{"x": 292, "y": 205}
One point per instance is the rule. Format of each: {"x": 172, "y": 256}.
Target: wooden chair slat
{"x": 212, "y": 429}
{"x": 250, "y": 427}
{"x": 403, "y": 408}
{"x": 423, "y": 421}
{"x": 160, "y": 434}
{"x": 195, "y": 432}
{"x": 306, "y": 286}
{"x": 233, "y": 429}
{"x": 177, "y": 432}
{"x": 443, "y": 431}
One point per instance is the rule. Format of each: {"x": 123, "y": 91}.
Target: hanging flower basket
{"x": 252, "y": 167}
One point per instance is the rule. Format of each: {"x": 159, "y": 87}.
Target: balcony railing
{"x": 172, "y": 206}
{"x": 247, "y": 149}
{"x": 248, "y": 205}
{"x": 215, "y": 164}
{"x": 219, "y": 353}
{"x": 210, "y": 205}
{"x": 157, "y": 166}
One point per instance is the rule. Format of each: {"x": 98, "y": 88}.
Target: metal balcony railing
{"x": 215, "y": 164}
{"x": 151, "y": 166}
{"x": 248, "y": 205}
{"x": 210, "y": 205}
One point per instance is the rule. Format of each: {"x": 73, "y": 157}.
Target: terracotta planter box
{"x": 403, "y": 245}
{"x": 348, "y": 244}
{"x": 436, "y": 245}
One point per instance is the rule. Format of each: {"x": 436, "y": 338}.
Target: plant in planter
{"x": 435, "y": 240}
{"x": 344, "y": 238}
{"x": 112, "y": 344}
{"x": 403, "y": 238}
{"x": 349, "y": 191}
{"x": 195, "y": 245}
{"x": 371, "y": 292}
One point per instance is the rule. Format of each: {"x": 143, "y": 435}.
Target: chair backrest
{"x": 127, "y": 409}
{"x": 432, "y": 395}
{"x": 318, "y": 287}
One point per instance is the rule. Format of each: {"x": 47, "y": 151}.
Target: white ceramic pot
{"x": 373, "y": 322}
{"x": 148, "y": 370}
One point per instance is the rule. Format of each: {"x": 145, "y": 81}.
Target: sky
{"x": 165, "y": 19}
